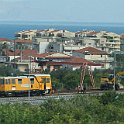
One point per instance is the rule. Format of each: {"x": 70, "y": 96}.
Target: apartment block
{"x": 25, "y": 35}
{"x": 112, "y": 40}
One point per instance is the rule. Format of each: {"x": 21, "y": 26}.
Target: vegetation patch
{"x": 105, "y": 109}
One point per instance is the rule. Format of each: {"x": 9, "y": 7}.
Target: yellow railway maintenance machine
{"x": 37, "y": 84}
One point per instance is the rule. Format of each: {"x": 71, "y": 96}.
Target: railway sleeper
{"x": 23, "y": 93}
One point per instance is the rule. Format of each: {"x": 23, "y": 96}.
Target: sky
{"x": 108, "y": 11}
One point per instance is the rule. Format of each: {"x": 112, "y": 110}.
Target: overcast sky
{"x": 62, "y": 10}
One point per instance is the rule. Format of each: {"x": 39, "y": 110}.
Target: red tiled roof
{"x": 49, "y": 55}
{"x": 17, "y": 52}
{"x": 29, "y": 52}
{"x": 75, "y": 61}
{"x": 12, "y": 53}
{"x": 54, "y": 31}
{"x": 122, "y": 36}
{"x": 92, "y": 51}
{"x": 43, "y": 55}
{"x": 80, "y": 61}
{"x": 25, "y": 58}
{"x": 4, "y": 39}
{"x": 23, "y": 41}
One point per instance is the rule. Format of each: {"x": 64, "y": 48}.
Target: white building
{"x": 25, "y": 35}
{"x": 94, "y": 55}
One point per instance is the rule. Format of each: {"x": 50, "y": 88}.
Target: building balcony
{"x": 110, "y": 59}
{"x": 73, "y": 47}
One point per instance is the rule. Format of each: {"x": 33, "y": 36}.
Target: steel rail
{"x": 41, "y": 99}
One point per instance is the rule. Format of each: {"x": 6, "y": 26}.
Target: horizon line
{"x": 27, "y": 21}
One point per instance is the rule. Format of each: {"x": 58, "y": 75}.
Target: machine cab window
{"x": 7, "y": 81}
{"x": 1, "y": 81}
{"x": 13, "y": 81}
{"x": 32, "y": 80}
{"x": 19, "y": 81}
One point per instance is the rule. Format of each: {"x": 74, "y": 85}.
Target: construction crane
{"x": 84, "y": 68}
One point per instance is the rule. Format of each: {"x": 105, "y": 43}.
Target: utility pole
{"x": 114, "y": 69}
{"x": 30, "y": 59}
{"x": 29, "y": 77}
{"x": 14, "y": 57}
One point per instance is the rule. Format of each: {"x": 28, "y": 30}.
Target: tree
{"x": 109, "y": 97}
{"x": 8, "y": 70}
{"x": 66, "y": 78}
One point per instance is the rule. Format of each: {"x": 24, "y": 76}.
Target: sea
{"x": 8, "y": 29}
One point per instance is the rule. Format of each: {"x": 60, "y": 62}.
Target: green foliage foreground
{"x": 105, "y": 109}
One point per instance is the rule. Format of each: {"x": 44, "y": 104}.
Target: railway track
{"x": 34, "y": 99}
{"x": 41, "y": 99}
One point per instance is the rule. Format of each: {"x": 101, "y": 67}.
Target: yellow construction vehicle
{"x": 112, "y": 82}
{"x": 35, "y": 84}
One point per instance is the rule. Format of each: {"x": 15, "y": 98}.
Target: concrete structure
{"x": 5, "y": 44}
{"x": 112, "y": 40}
{"x": 53, "y": 33}
{"x": 63, "y": 41}
{"x": 55, "y": 47}
{"x": 45, "y": 60}
{"x": 27, "y": 64}
{"x": 5, "y": 40}
{"x": 22, "y": 60}
{"x": 22, "y": 44}
{"x": 40, "y": 44}
{"x": 25, "y": 35}
{"x": 107, "y": 41}
{"x": 122, "y": 42}
{"x": 49, "y": 33}
{"x": 54, "y": 61}
{"x": 86, "y": 33}
{"x": 94, "y": 55}
{"x": 51, "y": 40}
{"x": 11, "y": 54}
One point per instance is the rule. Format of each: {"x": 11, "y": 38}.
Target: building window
{"x": 51, "y": 47}
{"x": 19, "y": 81}
{"x": 13, "y": 81}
